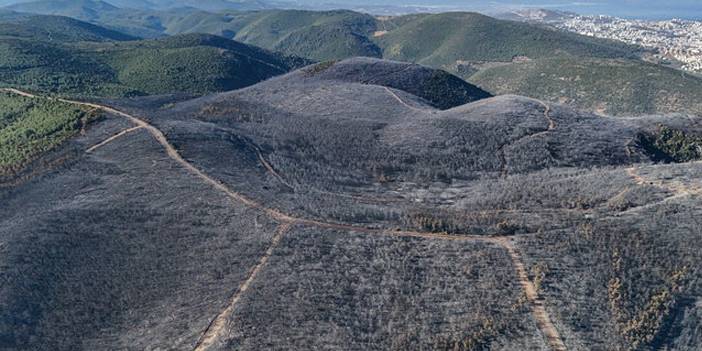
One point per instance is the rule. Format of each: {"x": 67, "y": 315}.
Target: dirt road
{"x": 218, "y": 324}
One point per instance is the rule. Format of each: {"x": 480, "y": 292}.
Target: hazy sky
{"x": 656, "y": 9}
{"x": 623, "y": 8}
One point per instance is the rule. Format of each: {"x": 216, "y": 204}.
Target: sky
{"x": 645, "y": 9}
{"x": 652, "y": 9}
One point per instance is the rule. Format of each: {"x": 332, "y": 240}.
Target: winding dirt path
{"x": 269, "y": 168}
{"x": 113, "y": 138}
{"x": 678, "y": 188}
{"x": 547, "y": 115}
{"x": 279, "y": 177}
{"x": 399, "y": 99}
{"x": 504, "y": 172}
{"x": 633, "y": 172}
{"x": 217, "y": 326}
{"x": 19, "y": 92}
{"x": 538, "y": 309}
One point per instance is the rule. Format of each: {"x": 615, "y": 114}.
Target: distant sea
{"x": 642, "y": 9}
{"x": 654, "y": 12}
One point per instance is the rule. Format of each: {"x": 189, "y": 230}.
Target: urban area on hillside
{"x": 675, "y": 39}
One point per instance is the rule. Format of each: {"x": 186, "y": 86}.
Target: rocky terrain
{"x": 338, "y": 207}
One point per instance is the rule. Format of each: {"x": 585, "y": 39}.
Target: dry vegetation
{"x": 408, "y": 230}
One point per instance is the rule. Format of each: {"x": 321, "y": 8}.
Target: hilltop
{"x": 319, "y": 202}
{"x": 438, "y": 88}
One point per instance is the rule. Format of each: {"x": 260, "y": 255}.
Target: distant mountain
{"x": 440, "y": 40}
{"x": 61, "y": 55}
{"x": 142, "y": 19}
{"x": 53, "y": 7}
{"x": 56, "y": 28}
{"x": 316, "y": 35}
{"x": 449, "y": 39}
{"x": 80, "y": 9}
{"x": 134, "y": 4}
{"x": 207, "y": 5}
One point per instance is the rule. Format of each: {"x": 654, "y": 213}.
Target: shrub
{"x": 672, "y": 145}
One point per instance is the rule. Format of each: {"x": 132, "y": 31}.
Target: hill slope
{"x": 439, "y": 40}
{"x": 54, "y": 68}
{"x": 447, "y": 39}
{"x": 29, "y": 128}
{"x": 309, "y": 204}
{"x": 193, "y": 63}
{"x": 79, "y": 58}
{"x": 605, "y": 85}
{"x": 56, "y": 28}
{"x": 143, "y": 21}
{"x": 316, "y": 35}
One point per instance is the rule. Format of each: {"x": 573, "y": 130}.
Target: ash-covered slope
{"x": 310, "y": 211}
{"x": 346, "y": 119}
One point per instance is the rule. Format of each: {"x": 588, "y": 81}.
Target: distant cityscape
{"x": 676, "y": 39}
